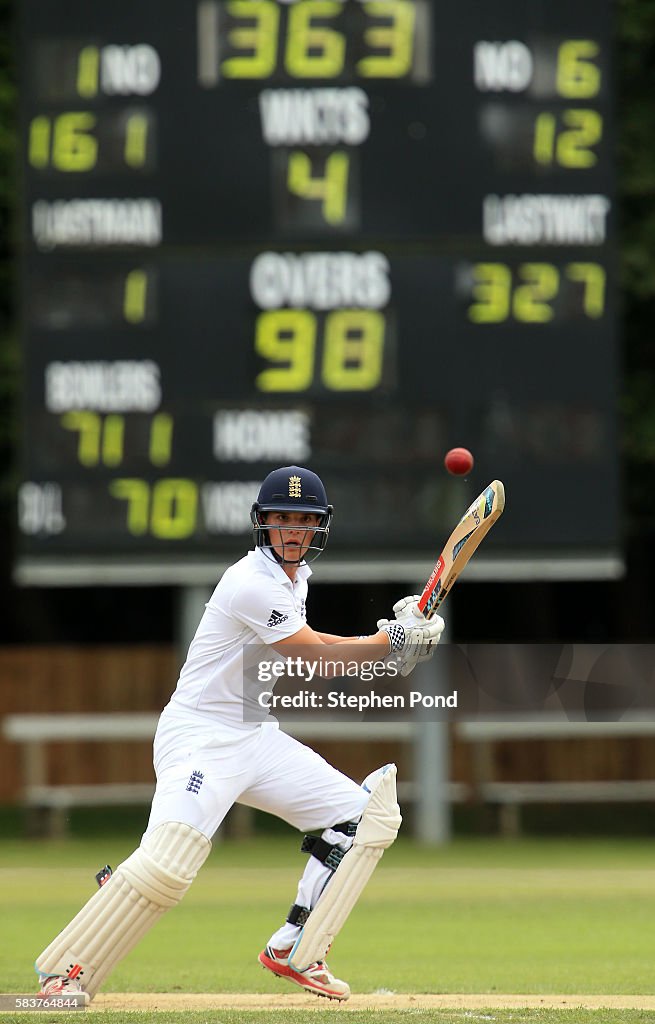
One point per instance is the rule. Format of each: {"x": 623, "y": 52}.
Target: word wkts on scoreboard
{"x": 344, "y": 233}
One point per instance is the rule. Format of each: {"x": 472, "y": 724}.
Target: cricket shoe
{"x": 63, "y": 988}
{"x": 317, "y": 978}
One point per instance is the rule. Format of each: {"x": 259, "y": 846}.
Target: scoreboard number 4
{"x": 331, "y": 189}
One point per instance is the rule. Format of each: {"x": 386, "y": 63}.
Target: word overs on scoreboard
{"x": 325, "y": 325}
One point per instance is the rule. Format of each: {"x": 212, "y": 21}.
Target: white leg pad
{"x": 153, "y": 879}
{"x": 376, "y": 831}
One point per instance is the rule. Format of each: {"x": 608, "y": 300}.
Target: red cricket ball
{"x": 459, "y": 461}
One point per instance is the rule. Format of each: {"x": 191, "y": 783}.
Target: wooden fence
{"x": 63, "y": 679}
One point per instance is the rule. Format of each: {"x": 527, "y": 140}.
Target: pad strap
{"x": 327, "y": 853}
{"x": 347, "y": 828}
{"x": 298, "y": 914}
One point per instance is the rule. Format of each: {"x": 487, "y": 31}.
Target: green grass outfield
{"x": 480, "y": 916}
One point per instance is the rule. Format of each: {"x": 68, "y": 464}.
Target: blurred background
{"x": 348, "y": 235}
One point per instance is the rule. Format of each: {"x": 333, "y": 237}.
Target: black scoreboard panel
{"x": 264, "y": 121}
{"x": 341, "y": 233}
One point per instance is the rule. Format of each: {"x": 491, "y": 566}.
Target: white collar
{"x": 277, "y": 572}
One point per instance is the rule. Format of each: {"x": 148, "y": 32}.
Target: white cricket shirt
{"x": 255, "y": 604}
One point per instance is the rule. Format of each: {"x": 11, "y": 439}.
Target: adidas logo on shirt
{"x": 276, "y": 618}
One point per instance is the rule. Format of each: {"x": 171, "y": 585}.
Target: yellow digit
{"x": 354, "y": 350}
{"x": 38, "y": 148}
{"x": 397, "y": 38}
{"x": 331, "y": 189}
{"x": 137, "y": 494}
{"x": 100, "y": 440}
{"x": 287, "y": 337}
{"x": 573, "y": 145}
{"x": 73, "y": 147}
{"x": 174, "y": 509}
{"x": 135, "y": 295}
{"x": 65, "y": 142}
{"x": 544, "y": 138}
{"x": 89, "y": 426}
{"x": 491, "y": 291}
{"x": 136, "y": 140}
{"x": 578, "y": 76}
{"x": 531, "y": 300}
{"x": 314, "y": 51}
{"x": 88, "y": 66}
{"x": 261, "y": 39}
{"x": 592, "y": 276}
{"x": 161, "y": 439}
{"x": 112, "y": 440}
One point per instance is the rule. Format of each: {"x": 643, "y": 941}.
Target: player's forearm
{"x": 356, "y": 650}
{"x": 332, "y": 638}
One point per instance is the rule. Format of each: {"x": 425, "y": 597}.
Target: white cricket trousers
{"x": 202, "y": 772}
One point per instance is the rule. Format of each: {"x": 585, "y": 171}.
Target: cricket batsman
{"x": 214, "y": 746}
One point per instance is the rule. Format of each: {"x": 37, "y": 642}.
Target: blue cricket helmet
{"x": 292, "y": 489}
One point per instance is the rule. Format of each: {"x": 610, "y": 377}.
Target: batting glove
{"x": 412, "y": 642}
{"x": 407, "y": 606}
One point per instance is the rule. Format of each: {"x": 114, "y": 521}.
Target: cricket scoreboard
{"x": 347, "y": 234}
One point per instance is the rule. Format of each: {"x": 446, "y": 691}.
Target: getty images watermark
{"x": 306, "y": 682}
{"x": 581, "y": 682}
{"x": 306, "y": 670}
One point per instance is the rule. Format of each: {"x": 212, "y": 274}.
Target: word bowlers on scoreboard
{"x": 258, "y": 232}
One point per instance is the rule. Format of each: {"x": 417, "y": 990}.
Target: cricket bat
{"x": 472, "y": 528}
